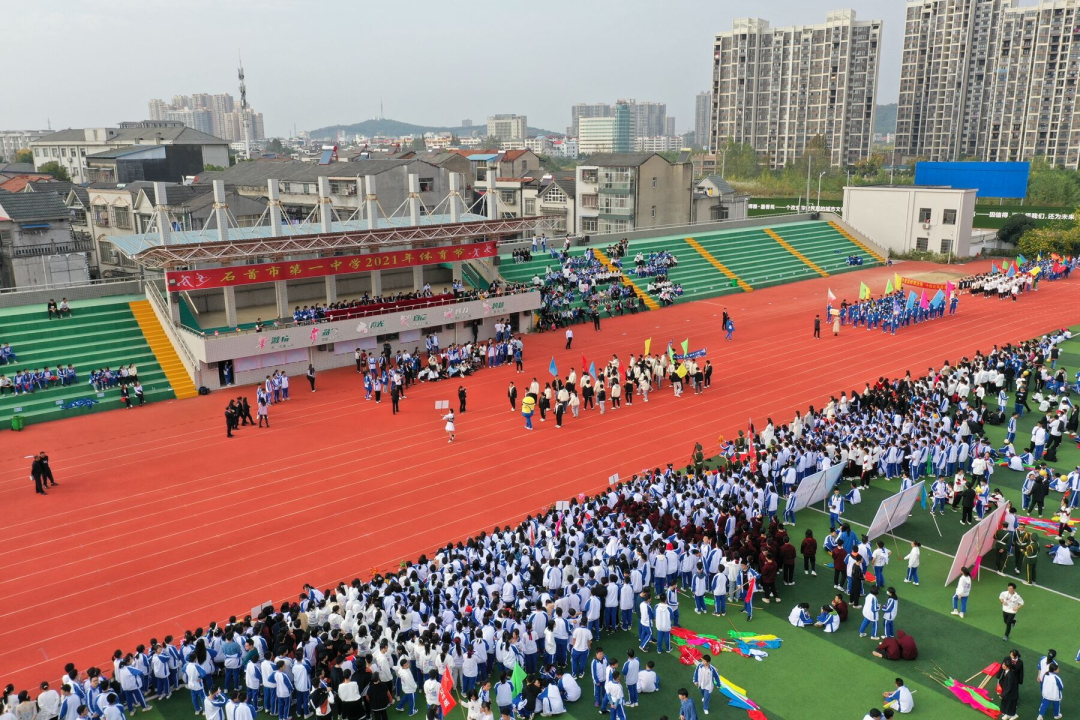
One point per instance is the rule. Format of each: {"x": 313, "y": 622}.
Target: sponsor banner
{"x": 908, "y": 282}
{"x": 208, "y": 279}
{"x": 692, "y": 355}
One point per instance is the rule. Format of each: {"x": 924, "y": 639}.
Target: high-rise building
{"x": 467, "y": 122}
{"x": 991, "y": 80}
{"x": 214, "y": 114}
{"x": 647, "y": 119}
{"x": 777, "y": 88}
{"x": 12, "y": 141}
{"x": 157, "y": 109}
{"x": 945, "y": 76}
{"x": 606, "y": 134}
{"x": 702, "y": 119}
{"x": 669, "y": 125}
{"x": 586, "y": 110}
{"x": 507, "y": 127}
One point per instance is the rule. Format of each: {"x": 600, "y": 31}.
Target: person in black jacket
{"x": 967, "y": 504}
{"x": 395, "y": 397}
{"x": 1009, "y": 690}
{"x": 512, "y": 394}
{"x": 378, "y": 697}
{"x": 461, "y": 398}
{"x": 245, "y": 410}
{"x": 1039, "y": 493}
{"x": 37, "y": 472}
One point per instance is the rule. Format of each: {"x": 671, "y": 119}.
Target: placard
{"x": 442, "y": 404}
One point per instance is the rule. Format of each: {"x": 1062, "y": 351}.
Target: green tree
{"x": 210, "y": 167}
{"x": 24, "y": 156}
{"x": 275, "y": 145}
{"x": 492, "y": 142}
{"x": 55, "y": 169}
{"x": 418, "y": 145}
{"x": 1014, "y": 227}
{"x": 1049, "y": 185}
{"x": 739, "y": 161}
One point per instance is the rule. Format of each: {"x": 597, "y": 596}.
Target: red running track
{"x": 161, "y": 524}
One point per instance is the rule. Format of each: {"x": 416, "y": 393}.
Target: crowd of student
{"x": 579, "y": 288}
{"x": 544, "y": 593}
{"x": 891, "y": 312}
{"x": 58, "y": 311}
{"x": 654, "y": 264}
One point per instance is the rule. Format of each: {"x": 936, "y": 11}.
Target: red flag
{"x": 446, "y": 693}
{"x": 584, "y": 364}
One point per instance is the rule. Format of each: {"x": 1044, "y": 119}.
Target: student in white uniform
{"x": 800, "y": 615}
{"x": 647, "y": 680}
{"x": 570, "y": 689}
{"x": 900, "y": 698}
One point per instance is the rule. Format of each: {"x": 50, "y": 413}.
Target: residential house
{"x": 36, "y": 244}
{"x": 715, "y": 199}
{"x": 620, "y": 192}
{"x": 72, "y": 148}
{"x": 558, "y": 197}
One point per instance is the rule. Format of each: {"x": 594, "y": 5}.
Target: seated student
{"x": 839, "y": 604}
{"x": 647, "y": 680}
{"x": 901, "y": 647}
{"x": 900, "y": 698}
{"x": 7, "y": 355}
{"x": 1061, "y": 553}
{"x": 828, "y": 620}
{"x": 571, "y": 691}
{"x": 800, "y": 615}
{"x": 6, "y": 385}
{"x": 550, "y": 701}
{"x": 854, "y": 496}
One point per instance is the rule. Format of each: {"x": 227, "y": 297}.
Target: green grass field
{"x": 815, "y": 675}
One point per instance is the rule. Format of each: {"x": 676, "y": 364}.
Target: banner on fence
{"x": 908, "y": 282}
{"x": 209, "y": 278}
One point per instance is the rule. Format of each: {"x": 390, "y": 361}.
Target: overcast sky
{"x": 312, "y": 63}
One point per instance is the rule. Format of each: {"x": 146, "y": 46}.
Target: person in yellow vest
{"x": 528, "y": 405}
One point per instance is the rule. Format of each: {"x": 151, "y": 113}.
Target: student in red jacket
{"x": 769, "y": 570}
{"x": 809, "y": 553}
{"x": 787, "y": 559}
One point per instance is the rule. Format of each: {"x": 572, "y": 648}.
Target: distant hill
{"x": 885, "y": 118}
{"x": 396, "y": 128}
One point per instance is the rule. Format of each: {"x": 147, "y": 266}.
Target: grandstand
{"x": 732, "y": 261}
{"x": 99, "y": 333}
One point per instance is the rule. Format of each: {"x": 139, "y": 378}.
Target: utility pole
{"x": 820, "y": 175}
{"x": 809, "y": 162}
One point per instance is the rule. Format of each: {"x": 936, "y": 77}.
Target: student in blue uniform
{"x": 630, "y": 670}
{"x": 645, "y": 618}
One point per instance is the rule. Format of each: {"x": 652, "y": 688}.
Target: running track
{"x": 161, "y": 524}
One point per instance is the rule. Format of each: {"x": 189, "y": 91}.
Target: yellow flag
{"x": 897, "y": 283}
{"x": 864, "y": 291}
{"x": 648, "y": 344}
{"x": 681, "y": 372}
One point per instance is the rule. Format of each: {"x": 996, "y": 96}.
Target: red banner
{"x": 908, "y": 282}
{"x": 183, "y": 280}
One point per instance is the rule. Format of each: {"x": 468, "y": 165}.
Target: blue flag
{"x": 553, "y": 369}
{"x": 912, "y": 298}
{"x": 592, "y": 369}
{"x": 922, "y": 499}
{"x": 993, "y": 268}
{"x": 1012, "y": 271}
{"x": 1021, "y": 259}
{"x": 939, "y": 298}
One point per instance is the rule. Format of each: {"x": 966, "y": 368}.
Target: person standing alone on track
{"x": 461, "y": 398}
{"x": 37, "y": 473}
{"x": 569, "y": 337}
{"x": 311, "y": 376}
{"x": 817, "y": 326}
{"x": 450, "y": 427}
{"x": 262, "y": 399}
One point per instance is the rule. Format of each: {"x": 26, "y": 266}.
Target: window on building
{"x": 924, "y": 215}
{"x": 654, "y": 209}
{"x": 555, "y": 195}
{"x": 122, "y": 217}
{"x": 55, "y": 152}
{"x": 719, "y": 212}
{"x": 5, "y": 236}
{"x": 427, "y": 184}
{"x": 588, "y": 176}
{"x": 530, "y": 207}
{"x": 654, "y": 183}
{"x": 507, "y": 196}
{"x": 922, "y": 244}
{"x": 588, "y": 225}
{"x": 590, "y": 201}
{"x": 37, "y": 152}
{"x": 63, "y": 152}
{"x": 310, "y": 189}
{"x": 78, "y": 216}
{"x": 946, "y": 246}
{"x": 948, "y": 218}
{"x": 101, "y": 215}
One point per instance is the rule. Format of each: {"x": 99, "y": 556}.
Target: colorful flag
{"x": 939, "y": 297}
{"x": 889, "y": 287}
{"x": 1035, "y": 271}
{"x": 864, "y": 291}
{"x": 753, "y": 448}
{"x": 912, "y": 298}
{"x": 681, "y": 372}
{"x": 446, "y": 693}
{"x": 922, "y": 499}
{"x": 950, "y": 289}
{"x": 993, "y": 268}
{"x": 924, "y": 302}
{"x": 1012, "y": 271}
{"x": 1038, "y": 258}
{"x": 897, "y": 282}
{"x": 553, "y": 369}
{"x": 1021, "y": 259}
{"x": 592, "y": 370}
{"x": 686, "y": 346}
{"x": 517, "y": 679}
{"x": 648, "y": 345}
{"x": 832, "y": 298}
